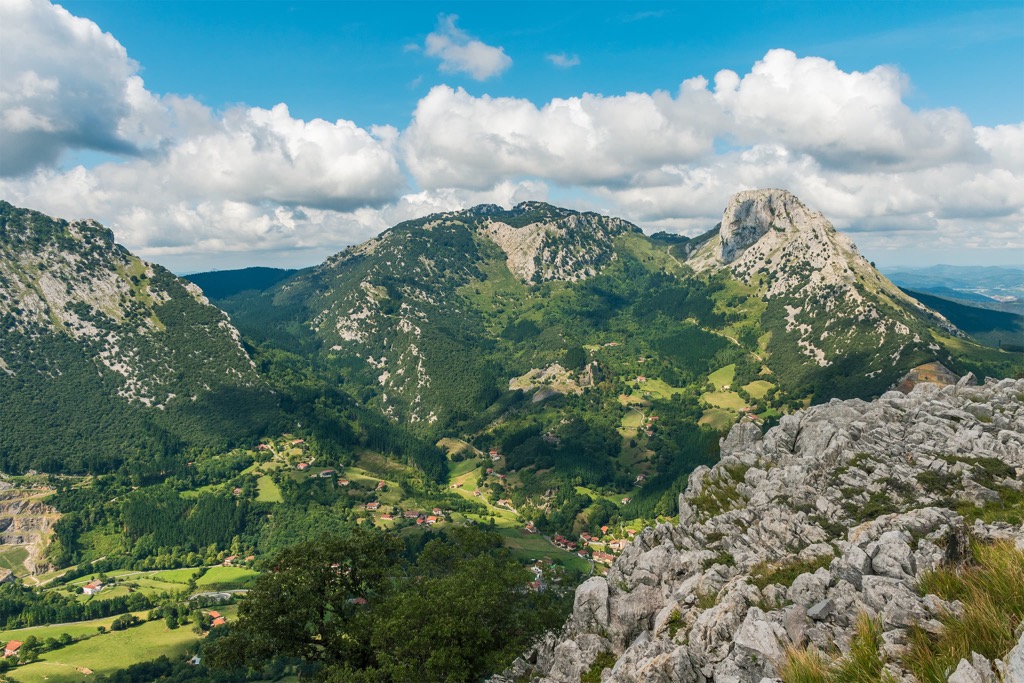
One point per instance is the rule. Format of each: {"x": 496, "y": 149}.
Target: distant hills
{"x": 991, "y": 327}
{"x": 221, "y": 284}
{"x": 995, "y": 287}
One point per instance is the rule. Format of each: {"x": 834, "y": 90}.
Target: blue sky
{"x": 349, "y": 60}
{"x": 907, "y": 108}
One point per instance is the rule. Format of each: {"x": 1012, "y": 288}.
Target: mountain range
{"x": 500, "y": 325}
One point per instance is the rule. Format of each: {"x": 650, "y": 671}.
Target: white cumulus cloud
{"x": 456, "y": 139}
{"x": 196, "y": 188}
{"x": 461, "y": 53}
{"x": 563, "y": 60}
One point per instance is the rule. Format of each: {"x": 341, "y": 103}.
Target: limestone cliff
{"x": 861, "y": 494}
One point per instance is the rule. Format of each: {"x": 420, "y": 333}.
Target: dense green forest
{"x": 356, "y": 605}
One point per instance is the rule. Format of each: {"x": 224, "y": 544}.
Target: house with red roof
{"x": 302, "y": 466}
{"x": 219, "y": 621}
{"x": 603, "y": 558}
{"x": 229, "y": 560}
{"x": 92, "y": 588}
{"x": 11, "y": 648}
{"x": 372, "y": 506}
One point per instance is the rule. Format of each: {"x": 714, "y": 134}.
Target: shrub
{"x": 605, "y": 660}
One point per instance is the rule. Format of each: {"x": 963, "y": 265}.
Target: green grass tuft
{"x": 992, "y": 593}
{"x": 605, "y": 660}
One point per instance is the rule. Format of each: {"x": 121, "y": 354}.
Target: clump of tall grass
{"x": 862, "y": 664}
{"x": 991, "y": 589}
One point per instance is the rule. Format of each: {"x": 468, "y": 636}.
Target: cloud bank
{"x": 187, "y": 183}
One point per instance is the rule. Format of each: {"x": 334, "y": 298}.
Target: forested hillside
{"x": 105, "y": 357}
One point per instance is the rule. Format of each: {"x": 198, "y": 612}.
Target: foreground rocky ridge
{"x": 861, "y": 494}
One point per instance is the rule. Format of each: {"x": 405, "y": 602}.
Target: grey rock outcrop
{"x": 854, "y": 495}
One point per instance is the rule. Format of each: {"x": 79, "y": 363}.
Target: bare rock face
{"x": 752, "y": 214}
{"x": 856, "y": 490}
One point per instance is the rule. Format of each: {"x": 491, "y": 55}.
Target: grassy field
{"x": 14, "y": 559}
{"x": 631, "y": 422}
{"x": 268, "y": 490}
{"x": 723, "y": 377}
{"x": 227, "y": 575}
{"x": 107, "y": 653}
{"x": 729, "y": 400}
{"x": 77, "y": 629}
{"x": 758, "y": 388}
{"x": 452, "y": 446}
{"x": 718, "y": 418}
{"x": 176, "y": 575}
{"x": 528, "y": 547}
{"x": 457, "y": 469}
{"x": 659, "y": 389}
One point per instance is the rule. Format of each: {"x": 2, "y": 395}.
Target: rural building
{"x": 603, "y": 558}
{"x": 12, "y": 648}
{"x": 229, "y": 560}
{"x": 326, "y": 473}
{"x": 372, "y": 506}
{"x": 219, "y": 621}
{"x": 92, "y": 588}
{"x": 302, "y": 466}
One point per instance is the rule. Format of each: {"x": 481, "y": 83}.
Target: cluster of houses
{"x": 217, "y": 617}
{"x": 234, "y": 561}
{"x": 615, "y": 545}
{"x": 420, "y": 518}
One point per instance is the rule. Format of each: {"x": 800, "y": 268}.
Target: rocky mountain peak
{"x": 545, "y": 242}
{"x": 752, "y": 214}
